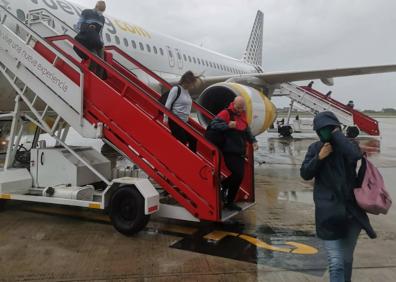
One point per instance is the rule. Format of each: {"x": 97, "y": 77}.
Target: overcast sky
{"x": 298, "y": 35}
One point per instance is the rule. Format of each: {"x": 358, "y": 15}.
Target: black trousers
{"x": 236, "y": 164}
{"x": 183, "y": 136}
{"x": 94, "y": 67}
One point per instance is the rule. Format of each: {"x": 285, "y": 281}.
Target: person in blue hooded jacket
{"x": 90, "y": 34}
{"x": 332, "y": 162}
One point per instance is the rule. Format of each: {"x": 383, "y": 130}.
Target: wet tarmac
{"x": 273, "y": 241}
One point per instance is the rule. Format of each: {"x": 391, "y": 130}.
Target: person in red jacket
{"x": 232, "y": 122}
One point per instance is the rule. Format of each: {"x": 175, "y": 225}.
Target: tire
{"x": 352, "y": 132}
{"x": 2, "y": 205}
{"x": 285, "y": 131}
{"x": 127, "y": 211}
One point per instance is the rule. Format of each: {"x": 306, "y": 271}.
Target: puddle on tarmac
{"x": 299, "y": 197}
{"x": 263, "y": 245}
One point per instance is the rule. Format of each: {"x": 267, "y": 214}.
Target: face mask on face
{"x": 325, "y": 134}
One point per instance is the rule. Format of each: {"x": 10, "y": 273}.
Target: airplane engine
{"x": 261, "y": 112}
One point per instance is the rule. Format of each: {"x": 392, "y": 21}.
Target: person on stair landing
{"x": 180, "y": 103}
{"x": 90, "y": 34}
{"x": 332, "y": 162}
{"x": 236, "y": 133}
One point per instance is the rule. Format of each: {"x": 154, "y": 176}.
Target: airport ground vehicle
{"x": 56, "y": 91}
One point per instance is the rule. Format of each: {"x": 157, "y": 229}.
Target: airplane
{"x": 223, "y": 77}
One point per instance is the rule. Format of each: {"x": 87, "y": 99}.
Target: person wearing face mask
{"x": 180, "y": 102}
{"x": 90, "y": 34}
{"x": 332, "y": 162}
{"x": 232, "y": 122}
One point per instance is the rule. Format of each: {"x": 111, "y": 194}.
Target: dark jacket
{"x": 235, "y": 139}
{"x": 335, "y": 179}
{"x": 90, "y": 28}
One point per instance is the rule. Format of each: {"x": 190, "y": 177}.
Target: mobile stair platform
{"x": 317, "y": 102}
{"x": 60, "y": 92}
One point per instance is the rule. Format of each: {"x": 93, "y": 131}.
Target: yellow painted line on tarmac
{"x": 95, "y": 206}
{"x": 302, "y": 249}
{"x": 298, "y": 248}
{"x": 5, "y": 196}
{"x": 219, "y": 235}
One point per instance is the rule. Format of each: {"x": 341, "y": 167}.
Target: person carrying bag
{"x": 332, "y": 162}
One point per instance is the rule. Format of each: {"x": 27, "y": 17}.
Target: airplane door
{"x": 179, "y": 59}
{"x": 171, "y": 56}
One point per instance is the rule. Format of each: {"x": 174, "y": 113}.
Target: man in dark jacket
{"x": 90, "y": 33}
{"x": 232, "y": 122}
{"x": 332, "y": 162}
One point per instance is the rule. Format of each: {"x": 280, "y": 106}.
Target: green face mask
{"x": 325, "y": 134}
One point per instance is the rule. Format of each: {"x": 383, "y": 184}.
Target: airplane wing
{"x": 255, "y": 79}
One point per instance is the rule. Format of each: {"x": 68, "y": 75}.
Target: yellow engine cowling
{"x": 261, "y": 112}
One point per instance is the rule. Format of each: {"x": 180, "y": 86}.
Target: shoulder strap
{"x": 177, "y": 96}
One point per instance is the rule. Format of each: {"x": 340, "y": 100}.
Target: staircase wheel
{"x": 352, "y": 132}
{"x": 285, "y": 131}
{"x": 127, "y": 211}
{"x": 2, "y": 205}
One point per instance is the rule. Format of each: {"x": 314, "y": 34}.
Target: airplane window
{"x": 133, "y": 44}
{"x": 161, "y": 51}
{"x": 126, "y": 43}
{"x": 210, "y": 64}
{"x": 195, "y": 61}
{"x": 148, "y": 48}
{"x": 199, "y": 61}
{"x": 117, "y": 39}
{"x": 207, "y": 63}
{"x": 141, "y": 46}
{"x": 155, "y": 50}
{"x": 108, "y": 37}
{"x": 179, "y": 56}
{"x": 221, "y": 67}
{"x": 185, "y": 57}
{"x": 217, "y": 65}
{"x": 170, "y": 53}
{"x": 189, "y": 59}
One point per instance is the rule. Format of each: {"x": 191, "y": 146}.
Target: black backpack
{"x": 165, "y": 96}
{"x": 217, "y": 137}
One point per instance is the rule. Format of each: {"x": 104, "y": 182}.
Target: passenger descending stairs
{"x": 122, "y": 110}
{"x": 318, "y": 102}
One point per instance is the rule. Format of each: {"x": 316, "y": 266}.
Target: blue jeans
{"x": 340, "y": 254}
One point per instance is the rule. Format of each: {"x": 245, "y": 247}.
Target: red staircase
{"x": 133, "y": 122}
{"x": 364, "y": 122}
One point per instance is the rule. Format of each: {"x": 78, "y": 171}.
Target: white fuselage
{"x": 167, "y": 56}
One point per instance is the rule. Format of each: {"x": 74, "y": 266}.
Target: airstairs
{"x": 61, "y": 92}
{"x": 317, "y": 102}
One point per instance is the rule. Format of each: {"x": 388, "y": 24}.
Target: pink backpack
{"x": 372, "y": 196}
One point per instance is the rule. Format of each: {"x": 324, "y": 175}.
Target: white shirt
{"x": 182, "y": 106}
